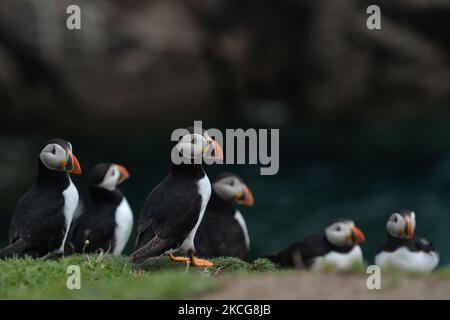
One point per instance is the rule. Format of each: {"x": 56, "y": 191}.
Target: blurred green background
{"x": 363, "y": 115}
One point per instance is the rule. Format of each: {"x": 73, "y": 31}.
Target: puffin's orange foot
{"x": 201, "y": 262}
{"x": 180, "y": 259}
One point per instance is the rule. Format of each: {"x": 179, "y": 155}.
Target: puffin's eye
{"x": 54, "y": 150}
{"x": 338, "y": 228}
{"x": 232, "y": 183}
{"x": 395, "y": 219}
{"x": 193, "y": 141}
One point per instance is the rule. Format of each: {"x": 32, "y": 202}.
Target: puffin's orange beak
{"x": 74, "y": 167}
{"x": 124, "y": 174}
{"x": 216, "y": 152}
{"x": 357, "y": 235}
{"x": 246, "y": 197}
{"x": 409, "y": 230}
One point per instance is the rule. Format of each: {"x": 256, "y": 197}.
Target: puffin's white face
{"x": 115, "y": 175}
{"x": 402, "y": 226}
{"x": 191, "y": 145}
{"x": 56, "y": 158}
{"x": 197, "y": 146}
{"x": 344, "y": 234}
{"x": 231, "y": 188}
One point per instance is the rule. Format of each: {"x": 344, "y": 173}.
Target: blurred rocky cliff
{"x": 164, "y": 59}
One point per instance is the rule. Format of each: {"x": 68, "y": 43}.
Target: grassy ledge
{"x": 111, "y": 277}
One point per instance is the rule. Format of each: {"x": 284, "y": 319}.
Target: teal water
{"x": 358, "y": 170}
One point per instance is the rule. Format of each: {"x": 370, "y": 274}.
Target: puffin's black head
{"x": 57, "y": 155}
{"x": 230, "y": 187}
{"x": 108, "y": 176}
{"x": 401, "y": 224}
{"x": 196, "y": 143}
{"x": 343, "y": 233}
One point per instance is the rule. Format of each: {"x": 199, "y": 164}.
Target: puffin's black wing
{"x": 220, "y": 235}
{"x": 97, "y": 225}
{"x": 392, "y": 244}
{"x": 302, "y": 252}
{"x": 423, "y": 245}
{"x": 415, "y": 244}
{"x": 169, "y": 214}
{"x": 38, "y": 222}
{"x": 14, "y": 249}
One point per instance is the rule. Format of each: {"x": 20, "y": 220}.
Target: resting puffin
{"x": 107, "y": 222}
{"x": 43, "y": 215}
{"x": 173, "y": 211}
{"x": 402, "y": 249}
{"x": 338, "y": 246}
{"x": 223, "y": 232}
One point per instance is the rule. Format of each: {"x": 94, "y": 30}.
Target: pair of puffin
{"x": 339, "y": 246}
{"x": 45, "y": 214}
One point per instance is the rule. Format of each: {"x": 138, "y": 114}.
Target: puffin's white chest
{"x": 124, "y": 226}
{"x": 240, "y": 219}
{"x": 204, "y": 188}
{"x": 405, "y": 259}
{"x": 70, "y": 205}
{"x": 340, "y": 261}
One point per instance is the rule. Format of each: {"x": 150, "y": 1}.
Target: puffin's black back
{"x": 219, "y": 234}
{"x": 415, "y": 244}
{"x": 306, "y": 249}
{"x": 171, "y": 210}
{"x": 39, "y": 218}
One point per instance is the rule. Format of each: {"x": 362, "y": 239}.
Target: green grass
{"x": 356, "y": 267}
{"x": 110, "y": 277}
{"x": 443, "y": 272}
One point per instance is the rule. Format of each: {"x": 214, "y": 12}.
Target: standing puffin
{"x": 173, "y": 211}
{"x": 223, "y": 231}
{"x": 402, "y": 249}
{"x": 107, "y": 222}
{"x": 43, "y": 215}
{"x": 337, "y": 247}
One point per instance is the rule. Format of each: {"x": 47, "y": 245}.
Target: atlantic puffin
{"x": 403, "y": 249}
{"x": 107, "y": 221}
{"x": 338, "y": 247}
{"x": 174, "y": 210}
{"x": 43, "y": 215}
{"x": 223, "y": 231}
